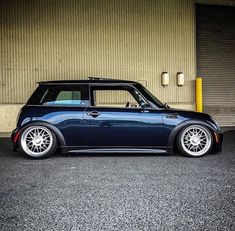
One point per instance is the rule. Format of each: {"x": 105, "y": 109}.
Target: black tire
{"x": 23, "y": 148}
{"x": 184, "y": 143}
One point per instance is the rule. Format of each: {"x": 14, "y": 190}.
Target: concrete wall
{"x": 8, "y": 114}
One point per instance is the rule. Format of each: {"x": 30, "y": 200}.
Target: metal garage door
{"x": 216, "y": 61}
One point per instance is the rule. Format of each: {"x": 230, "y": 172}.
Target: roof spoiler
{"x": 100, "y": 78}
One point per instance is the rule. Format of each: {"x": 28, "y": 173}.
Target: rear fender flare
{"x": 54, "y": 129}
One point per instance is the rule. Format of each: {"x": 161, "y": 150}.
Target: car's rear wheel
{"x": 37, "y": 142}
{"x": 195, "y": 140}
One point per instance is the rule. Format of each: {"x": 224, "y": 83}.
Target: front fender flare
{"x": 180, "y": 126}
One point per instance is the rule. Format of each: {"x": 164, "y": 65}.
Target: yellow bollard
{"x": 199, "y": 94}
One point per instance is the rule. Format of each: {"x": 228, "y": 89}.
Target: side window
{"x": 69, "y": 95}
{"x": 66, "y": 95}
{"x": 111, "y": 97}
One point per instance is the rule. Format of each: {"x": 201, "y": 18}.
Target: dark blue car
{"x": 103, "y": 115}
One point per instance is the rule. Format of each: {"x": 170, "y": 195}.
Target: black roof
{"x": 90, "y": 80}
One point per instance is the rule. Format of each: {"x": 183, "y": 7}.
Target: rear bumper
{"x": 14, "y": 138}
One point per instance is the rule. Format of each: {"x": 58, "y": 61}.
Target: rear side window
{"x": 65, "y": 96}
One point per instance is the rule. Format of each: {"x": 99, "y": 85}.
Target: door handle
{"x": 94, "y": 114}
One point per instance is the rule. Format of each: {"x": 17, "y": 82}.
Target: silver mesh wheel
{"x": 36, "y": 141}
{"x": 196, "y": 140}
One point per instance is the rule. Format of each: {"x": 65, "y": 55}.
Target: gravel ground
{"x": 118, "y": 192}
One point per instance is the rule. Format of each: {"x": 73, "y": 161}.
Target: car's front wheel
{"x": 37, "y": 142}
{"x": 195, "y": 140}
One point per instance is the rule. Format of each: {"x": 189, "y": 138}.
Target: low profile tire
{"x": 195, "y": 141}
{"x": 37, "y": 142}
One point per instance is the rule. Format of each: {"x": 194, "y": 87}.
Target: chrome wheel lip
{"x": 196, "y": 140}
{"x": 42, "y": 145}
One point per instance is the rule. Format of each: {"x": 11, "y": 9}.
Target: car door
{"x": 63, "y": 106}
{"x": 110, "y": 125}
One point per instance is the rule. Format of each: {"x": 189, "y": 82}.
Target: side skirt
{"x": 87, "y": 149}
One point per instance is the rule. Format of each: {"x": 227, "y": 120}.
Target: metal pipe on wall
{"x": 199, "y": 106}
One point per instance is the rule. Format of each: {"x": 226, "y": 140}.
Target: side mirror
{"x": 143, "y": 105}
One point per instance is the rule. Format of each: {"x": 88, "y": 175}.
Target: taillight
{"x": 16, "y": 136}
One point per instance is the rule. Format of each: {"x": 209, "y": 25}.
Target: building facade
{"x": 124, "y": 39}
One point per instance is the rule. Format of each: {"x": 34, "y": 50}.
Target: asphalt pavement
{"x": 118, "y": 192}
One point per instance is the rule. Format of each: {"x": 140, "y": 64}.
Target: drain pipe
{"x": 199, "y": 94}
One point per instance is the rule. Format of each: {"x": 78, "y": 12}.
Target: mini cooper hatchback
{"x": 104, "y": 115}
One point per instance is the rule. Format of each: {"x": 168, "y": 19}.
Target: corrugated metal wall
{"x": 216, "y": 60}
{"x": 216, "y": 2}
{"x": 73, "y": 39}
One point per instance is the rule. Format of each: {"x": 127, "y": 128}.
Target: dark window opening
{"x": 61, "y": 96}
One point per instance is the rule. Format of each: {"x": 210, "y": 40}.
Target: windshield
{"x": 152, "y": 98}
